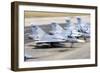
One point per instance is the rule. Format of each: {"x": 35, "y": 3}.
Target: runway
{"x": 79, "y": 51}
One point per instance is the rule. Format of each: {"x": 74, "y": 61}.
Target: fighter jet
{"x": 71, "y": 30}
{"x": 68, "y": 31}
{"x": 83, "y": 28}
{"x": 57, "y": 35}
{"x": 40, "y": 37}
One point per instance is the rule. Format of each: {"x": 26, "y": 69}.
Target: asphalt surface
{"x": 63, "y": 52}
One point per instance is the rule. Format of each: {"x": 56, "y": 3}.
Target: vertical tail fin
{"x": 37, "y": 32}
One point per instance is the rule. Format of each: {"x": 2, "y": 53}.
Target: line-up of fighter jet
{"x": 70, "y": 33}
